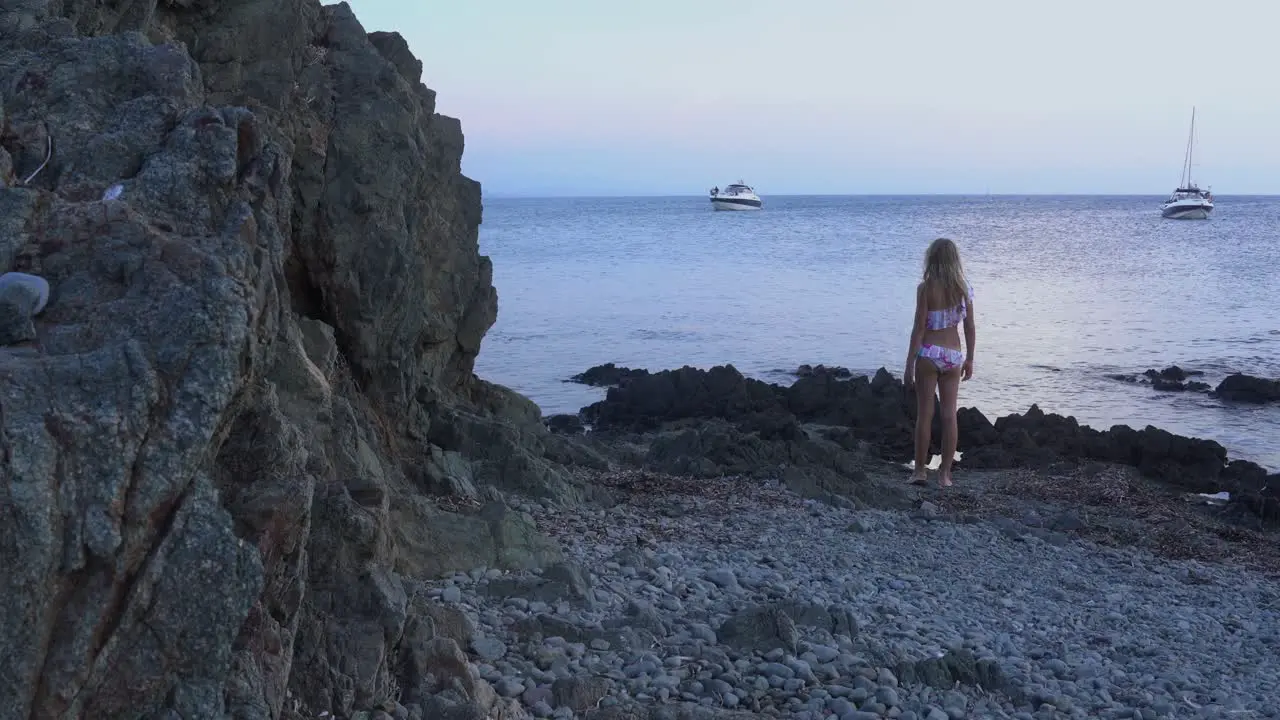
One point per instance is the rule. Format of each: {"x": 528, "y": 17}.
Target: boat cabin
{"x": 1186, "y": 193}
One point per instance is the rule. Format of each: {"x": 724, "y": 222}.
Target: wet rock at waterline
{"x": 1248, "y": 389}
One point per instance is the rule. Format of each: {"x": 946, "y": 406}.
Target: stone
{"x": 560, "y": 581}
{"x": 30, "y": 292}
{"x": 724, "y": 578}
{"x": 489, "y": 649}
{"x": 565, "y": 424}
{"x": 760, "y": 628}
{"x": 1239, "y": 387}
{"x": 445, "y": 621}
{"x": 580, "y": 693}
{"x": 22, "y": 297}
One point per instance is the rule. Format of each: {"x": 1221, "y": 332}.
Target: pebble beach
{"x": 741, "y": 595}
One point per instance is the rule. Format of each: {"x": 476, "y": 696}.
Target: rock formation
{"x": 1239, "y": 387}
{"x": 224, "y": 454}
{"x": 770, "y": 427}
{"x": 1234, "y": 388}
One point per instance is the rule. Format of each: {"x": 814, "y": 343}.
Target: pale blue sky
{"x": 590, "y": 97}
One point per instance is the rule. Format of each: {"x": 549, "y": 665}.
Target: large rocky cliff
{"x": 232, "y": 441}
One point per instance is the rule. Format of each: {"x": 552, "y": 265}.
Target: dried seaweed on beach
{"x": 1116, "y": 506}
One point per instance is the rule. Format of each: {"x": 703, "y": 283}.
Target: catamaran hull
{"x": 720, "y": 203}
{"x": 1186, "y": 212}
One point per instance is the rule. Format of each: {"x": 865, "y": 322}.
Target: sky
{"x": 671, "y": 97}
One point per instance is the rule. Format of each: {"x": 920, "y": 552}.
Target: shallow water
{"x": 1068, "y": 290}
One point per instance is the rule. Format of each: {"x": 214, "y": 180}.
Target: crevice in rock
{"x": 308, "y": 300}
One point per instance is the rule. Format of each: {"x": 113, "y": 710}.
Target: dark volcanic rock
{"x": 878, "y": 409}
{"x": 645, "y": 401}
{"x": 840, "y": 373}
{"x": 1038, "y": 439}
{"x": 1172, "y": 374}
{"x": 1122, "y": 377}
{"x": 565, "y": 424}
{"x": 1170, "y": 379}
{"x": 1168, "y": 385}
{"x": 607, "y": 375}
{"x": 254, "y": 357}
{"x": 1248, "y": 389}
{"x": 765, "y": 423}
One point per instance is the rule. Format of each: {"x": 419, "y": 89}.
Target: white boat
{"x": 1188, "y": 202}
{"x": 738, "y": 196}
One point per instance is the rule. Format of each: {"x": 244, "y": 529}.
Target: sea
{"x": 1068, "y": 290}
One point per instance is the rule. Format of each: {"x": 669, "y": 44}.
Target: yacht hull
{"x": 1188, "y": 211}
{"x": 730, "y": 203}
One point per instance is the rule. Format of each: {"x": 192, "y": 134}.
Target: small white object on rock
{"x": 34, "y": 287}
{"x": 112, "y": 192}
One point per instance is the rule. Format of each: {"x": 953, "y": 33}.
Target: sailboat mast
{"x": 1191, "y": 145}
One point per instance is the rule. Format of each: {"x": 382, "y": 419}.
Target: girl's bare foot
{"x": 944, "y": 479}
{"x": 920, "y": 478}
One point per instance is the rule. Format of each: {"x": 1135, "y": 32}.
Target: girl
{"x": 935, "y": 361}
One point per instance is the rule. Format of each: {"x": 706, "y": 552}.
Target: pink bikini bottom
{"x": 944, "y": 358}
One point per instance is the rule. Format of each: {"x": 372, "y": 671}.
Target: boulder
{"x": 22, "y": 297}
{"x": 607, "y": 375}
{"x": 559, "y": 582}
{"x": 760, "y": 629}
{"x": 1248, "y": 389}
{"x": 580, "y": 694}
{"x": 566, "y": 424}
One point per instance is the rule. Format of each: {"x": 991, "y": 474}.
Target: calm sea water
{"x": 1068, "y": 289}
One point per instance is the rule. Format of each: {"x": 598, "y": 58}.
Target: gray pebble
{"x": 488, "y": 649}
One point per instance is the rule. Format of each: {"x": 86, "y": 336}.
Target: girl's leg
{"x": 926, "y": 386}
{"x": 948, "y": 393}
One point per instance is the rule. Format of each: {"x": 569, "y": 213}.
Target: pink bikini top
{"x": 948, "y": 317}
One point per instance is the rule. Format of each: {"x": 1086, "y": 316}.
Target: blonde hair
{"x": 943, "y": 271}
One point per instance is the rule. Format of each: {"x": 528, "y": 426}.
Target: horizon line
{"x": 512, "y": 196}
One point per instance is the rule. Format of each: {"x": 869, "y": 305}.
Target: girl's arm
{"x": 917, "y": 334}
{"x": 970, "y": 339}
